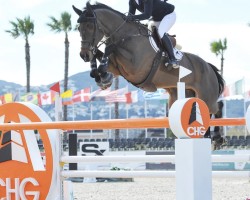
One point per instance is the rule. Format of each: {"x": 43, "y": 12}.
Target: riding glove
{"x": 130, "y": 18}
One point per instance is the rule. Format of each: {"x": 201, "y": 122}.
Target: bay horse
{"x": 131, "y": 55}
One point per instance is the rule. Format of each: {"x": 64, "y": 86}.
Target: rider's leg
{"x": 165, "y": 25}
{"x": 167, "y": 44}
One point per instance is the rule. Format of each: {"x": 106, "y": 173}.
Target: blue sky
{"x": 199, "y": 22}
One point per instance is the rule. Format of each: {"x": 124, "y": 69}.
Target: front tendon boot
{"x": 167, "y": 44}
{"x": 106, "y": 77}
{"x": 93, "y": 66}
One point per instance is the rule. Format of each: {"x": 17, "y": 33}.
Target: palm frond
{"x": 14, "y": 32}
{"x": 66, "y": 21}
{"x": 54, "y": 25}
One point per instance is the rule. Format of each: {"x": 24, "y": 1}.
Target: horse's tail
{"x": 220, "y": 79}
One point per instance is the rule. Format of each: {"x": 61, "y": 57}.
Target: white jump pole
{"x": 147, "y": 158}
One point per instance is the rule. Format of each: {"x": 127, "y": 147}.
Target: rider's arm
{"x": 148, "y": 7}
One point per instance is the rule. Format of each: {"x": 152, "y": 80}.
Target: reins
{"x": 115, "y": 31}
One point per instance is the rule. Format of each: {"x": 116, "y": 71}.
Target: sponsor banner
{"x": 94, "y": 148}
{"x": 189, "y": 118}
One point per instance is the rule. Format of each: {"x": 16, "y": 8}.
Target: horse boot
{"x": 94, "y": 72}
{"x": 167, "y": 44}
{"x": 93, "y": 67}
{"x": 106, "y": 77}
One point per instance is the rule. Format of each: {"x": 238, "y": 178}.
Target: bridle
{"x": 90, "y": 43}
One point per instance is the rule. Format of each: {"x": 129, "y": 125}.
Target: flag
{"x": 2, "y": 100}
{"x": 55, "y": 87}
{"x": 117, "y": 95}
{"x": 234, "y": 89}
{"x": 132, "y": 97}
{"x": 82, "y": 95}
{"x": 238, "y": 87}
{"x": 183, "y": 72}
{"x": 8, "y": 98}
{"x": 226, "y": 91}
{"x": 159, "y": 94}
{"x": 247, "y": 96}
{"x": 46, "y": 98}
{"x": 140, "y": 95}
{"x": 30, "y": 97}
{"x": 99, "y": 95}
{"x": 16, "y": 97}
{"x": 67, "y": 97}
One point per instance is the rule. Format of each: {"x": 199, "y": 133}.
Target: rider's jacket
{"x": 158, "y": 9}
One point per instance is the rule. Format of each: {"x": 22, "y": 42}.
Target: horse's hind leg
{"x": 173, "y": 95}
{"x": 190, "y": 93}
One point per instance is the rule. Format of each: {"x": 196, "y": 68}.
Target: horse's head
{"x": 89, "y": 32}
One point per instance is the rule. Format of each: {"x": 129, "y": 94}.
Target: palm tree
{"x": 63, "y": 25}
{"x": 219, "y": 48}
{"x": 24, "y": 27}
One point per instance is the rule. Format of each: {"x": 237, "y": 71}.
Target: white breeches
{"x": 164, "y": 25}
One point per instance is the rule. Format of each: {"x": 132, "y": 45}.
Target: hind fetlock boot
{"x": 167, "y": 44}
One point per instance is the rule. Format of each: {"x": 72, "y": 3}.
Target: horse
{"x": 131, "y": 55}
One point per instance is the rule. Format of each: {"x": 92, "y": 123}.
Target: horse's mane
{"x": 98, "y": 5}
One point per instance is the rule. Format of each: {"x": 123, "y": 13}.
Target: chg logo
{"x": 189, "y": 118}
{"x": 23, "y": 172}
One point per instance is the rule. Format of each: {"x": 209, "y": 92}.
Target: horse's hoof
{"x": 99, "y": 84}
{"x": 104, "y": 87}
{"x": 107, "y": 79}
{"x": 105, "y": 82}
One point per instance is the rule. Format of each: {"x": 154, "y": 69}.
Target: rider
{"x": 163, "y": 15}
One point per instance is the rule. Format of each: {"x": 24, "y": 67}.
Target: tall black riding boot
{"x": 167, "y": 44}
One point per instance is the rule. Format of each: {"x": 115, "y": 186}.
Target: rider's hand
{"x": 130, "y": 18}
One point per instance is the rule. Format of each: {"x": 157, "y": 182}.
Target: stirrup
{"x": 172, "y": 64}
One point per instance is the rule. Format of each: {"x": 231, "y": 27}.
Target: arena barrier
{"x": 189, "y": 155}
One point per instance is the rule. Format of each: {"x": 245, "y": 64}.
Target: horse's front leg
{"x": 94, "y": 72}
{"x": 106, "y": 77}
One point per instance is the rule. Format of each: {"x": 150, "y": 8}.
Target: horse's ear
{"x": 79, "y": 12}
{"x": 88, "y": 6}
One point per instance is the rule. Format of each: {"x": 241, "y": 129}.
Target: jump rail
{"x": 148, "y": 158}
{"x": 112, "y": 124}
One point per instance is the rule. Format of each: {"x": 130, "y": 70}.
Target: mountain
{"x": 83, "y": 80}
{"x": 76, "y": 82}
{"x": 8, "y": 87}
{"x": 101, "y": 110}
